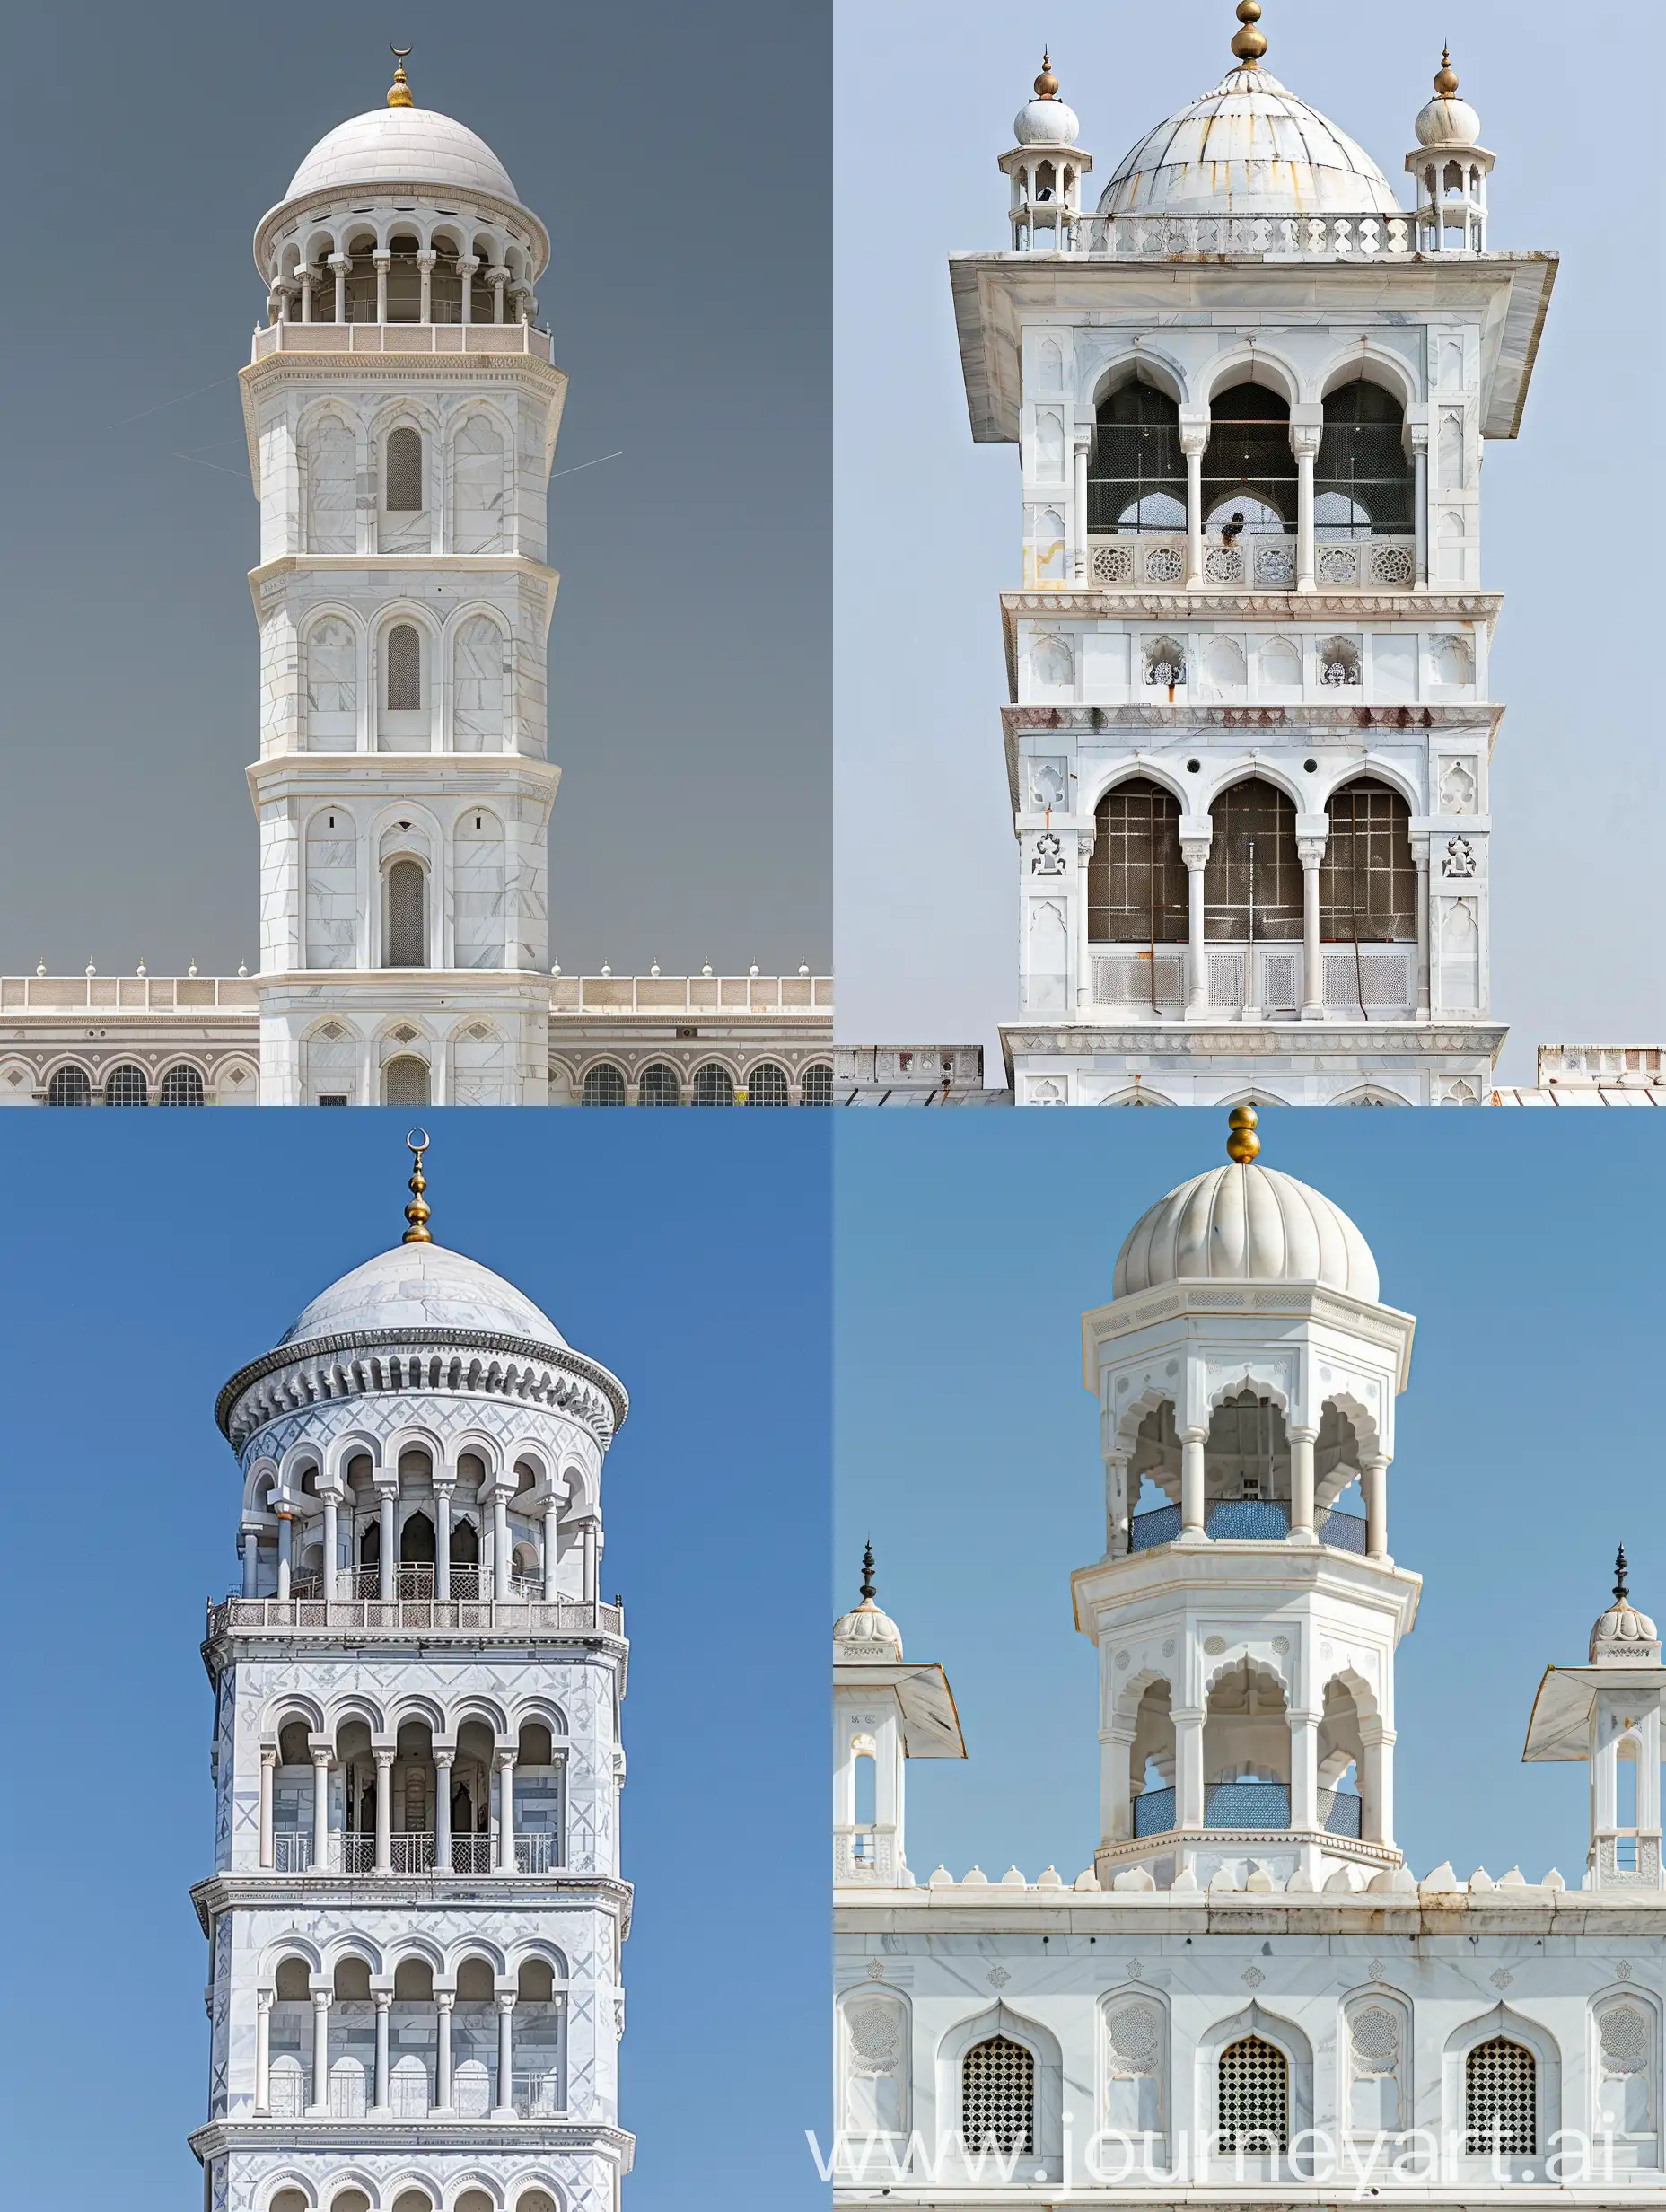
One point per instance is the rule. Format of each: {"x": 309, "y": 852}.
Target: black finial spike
{"x": 1621, "y": 1589}
{"x": 867, "y": 1575}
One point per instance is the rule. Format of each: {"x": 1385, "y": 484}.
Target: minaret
{"x": 1607, "y": 1713}
{"x": 416, "y": 1912}
{"x": 402, "y": 408}
{"x": 1249, "y": 725}
{"x": 1246, "y": 1371}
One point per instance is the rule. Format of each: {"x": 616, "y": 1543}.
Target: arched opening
{"x": 289, "y": 2040}
{"x": 406, "y": 915}
{"x": 1362, "y": 479}
{"x": 819, "y": 1084}
{"x": 538, "y": 2089}
{"x": 411, "y": 1789}
{"x": 538, "y": 1801}
{"x": 1501, "y": 2100}
{"x": 1341, "y": 1757}
{"x": 1252, "y": 881}
{"x": 403, "y": 487}
{"x": 352, "y": 2042}
{"x": 1253, "y": 2120}
{"x": 404, "y": 1082}
{"x": 69, "y": 1086}
{"x": 416, "y": 1555}
{"x": 289, "y": 2200}
{"x": 767, "y": 1086}
{"x": 181, "y": 1086}
{"x": 1136, "y": 472}
{"x": 604, "y": 1086}
{"x": 998, "y": 2097}
{"x": 1136, "y": 876}
{"x": 658, "y": 1085}
{"x": 1150, "y": 1761}
{"x": 1246, "y": 1750}
{"x": 474, "y": 2041}
{"x": 472, "y": 1799}
{"x": 126, "y": 1086}
{"x": 1625, "y": 1753}
{"x": 1248, "y": 466}
{"x": 403, "y": 656}
{"x": 1368, "y": 879}
{"x": 404, "y": 288}
{"x": 714, "y": 1085}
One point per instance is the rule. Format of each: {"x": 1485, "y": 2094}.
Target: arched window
{"x": 69, "y": 1086}
{"x": 408, "y": 919}
{"x": 404, "y": 669}
{"x": 405, "y": 1080}
{"x": 604, "y": 1086}
{"x": 998, "y": 2097}
{"x": 1368, "y": 879}
{"x": 1363, "y": 481}
{"x": 404, "y": 465}
{"x": 1255, "y": 2099}
{"x": 819, "y": 1084}
{"x": 403, "y": 279}
{"x": 767, "y": 1086}
{"x": 713, "y": 1085}
{"x": 1248, "y": 469}
{"x": 181, "y": 1086}
{"x": 1136, "y": 472}
{"x": 658, "y": 1086}
{"x": 1136, "y": 878}
{"x": 1252, "y": 884}
{"x": 126, "y": 1086}
{"x": 1501, "y": 2100}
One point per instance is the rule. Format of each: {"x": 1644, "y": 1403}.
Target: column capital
{"x": 340, "y": 261}
{"x": 382, "y": 1998}
{"x": 504, "y": 1999}
{"x": 265, "y": 1999}
{"x": 322, "y": 1999}
{"x": 1302, "y": 1431}
{"x": 443, "y": 1757}
{"x": 1375, "y": 1462}
{"x": 381, "y": 258}
{"x": 444, "y": 1999}
{"x": 1195, "y": 851}
{"x": 1311, "y": 853}
{"x": 384, "y": 1755}
{"x": 426, "y": 257}
{"x": 269, "y": 1754}
{"x": 502, "y": 1759}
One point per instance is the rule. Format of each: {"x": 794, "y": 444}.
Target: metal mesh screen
{"x": 181, "y": 1086}
{"x": 713, "y": 1085}
{"x": 408, "y": 946}
{"x": 998, "y": 2096}
{"x": 126, "y": 1086}
{"x": 1136, "y": 877}
{"x": 1255, "y": 2098}
{"x": 604, "y": 1086}
{"x": 405, "y": 1080}
{"x": 404, "y": 670}
{"x": 1501, "y": 2100}
{"x": 1368, "y": 879}
{"x": 1252, "y": 884}
{"x": 404, "y": 472}
{"x": 69, "y": 1086}
{"x": 819, "y": 1084}
{"x": 658, "y": 1086}
{"x": 1136, "y": 472}
{"x": 767, "y": 1086}
{"x": 1248, "y": 459}
{"x": 1362, "y": 480}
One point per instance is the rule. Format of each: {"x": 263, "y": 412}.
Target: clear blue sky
{"x": 926, "y": 524}
{"x": 147, "y": 1256}
{"x": 1528, "y": 1245}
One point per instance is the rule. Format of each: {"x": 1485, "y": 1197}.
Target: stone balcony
{"x": 402, "y": 337}
{"x": 323, "y": 1618}
{"x": 1154, "y": 560}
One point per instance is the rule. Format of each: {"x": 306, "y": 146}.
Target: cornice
{"x": 1527, "y": 1910}
{"x": 403, "y": 774}
{"x": 509, "y": 1894}
{"x": 408, "y": 563}
{"x": 1136, "y": 715}
{"x": 1319, "y": 1302}
{"x": 1311, "y": 1040}
{"x": 1103, "y": 603}
{"x": 359, "y": 2136}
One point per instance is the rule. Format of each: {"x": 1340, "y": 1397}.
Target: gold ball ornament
{"x": 1243, "y": 1144}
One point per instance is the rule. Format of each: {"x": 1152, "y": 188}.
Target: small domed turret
{"x": 1623, "y": 1636}
{"x": 1451, "y": 168}
{"x": 1045, "y": 167}
{"x": 1046, "y": 121}
{"x": 867, "y": 1633}
{"x": 1446, "y": 120}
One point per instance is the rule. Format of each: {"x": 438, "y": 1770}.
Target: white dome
{"x": 1448, "y": 122}
{"x": 1245, "y": 1225}
{"x": 875, "y": 1632}
{"x": 1248, "y": 147}
{"x": 1045, "y": 123}
{"x": 423, "y": 1286}
{"x": 402, "y": 146}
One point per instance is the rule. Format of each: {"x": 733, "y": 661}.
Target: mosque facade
{"x": 415, "y": 1914}
{"x": 1248, "y": 1995}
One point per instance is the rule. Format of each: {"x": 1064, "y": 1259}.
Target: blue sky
{"x": 1528, "y": 1247}
{"x": 926, "y": 528}
{"x": 147, "y": 1257}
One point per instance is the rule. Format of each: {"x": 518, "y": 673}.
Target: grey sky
{"x": 926, "y": 524}
{"x": 680, "y": 156}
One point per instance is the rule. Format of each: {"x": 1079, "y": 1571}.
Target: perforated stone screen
{"x": 998, "y": 2096}
{"x": 1255, "y": 2098}
{"x": 1501, "y": 2100}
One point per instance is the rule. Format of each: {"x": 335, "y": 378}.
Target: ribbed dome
{"x": 402, "y": 146}
{"x": 423, "y": 1286}
{"x": 1245, "y": 1225}
{"x": 1248, "y": 147}
{"x": 870, "y": 1627}
{"x": 1623, "y": 1624}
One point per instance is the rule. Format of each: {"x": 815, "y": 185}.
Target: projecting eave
{"x": 931, "y": 1723}
{"x": 995, "y": 294}
{"x": 1560, "y": 1725}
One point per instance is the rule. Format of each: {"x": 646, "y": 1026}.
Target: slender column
{"x": 286, "y": 1552}
{"x": 1195, "y": 851}
{"x": 1194, "y": 444}
{"x": 1304, "y": 438}
{"x": 443, "y": 1810}
{"x": 505, "y": 1812}
{"x": 500, "y": 1544}
{"x": 552, "y": 1545}
{"x": 1189, "y": 1767}
{"x": 331, "y": 1543}
{"x": 443, "y": 2000}
{"x": 1305, "y": 1770}
{"x": 1115, "y": 1503}
{"x": 1311, "y": 853}
{"x": 1193, "y": 1512}
{"x": 424, "y": 262}
{"x": 321, "y": 2050}
{"x": 1420, "y": 858}
{"x": 593, "y": 1560}
{"x": 1374, "y": 1483}
{"x": 1420, "y": 499}
{"x": 263, "y": 2049}
{"x": 1376, "y": 1781}
{"x": 338, "y": 262}
{"x": 1085, "y": 959}
{"x": 383, "y": 261}
{"x": 1302, "y": 1442}
{"x": 384, "y": 1810}
{"x": 1079, "y": 480}
{"x": 497, "y": 278}
{"x": 442, "y": 1538}
{"x": 269, "y": 1765}
{"x": 389, "y": 1577}
{"x": 320, "y": 1808}
{"x": 505, "y": 2003}
{"x": 1116, "y": 1783}
{"x": 467, "y": 265}
{"x": 385, "y": 2005}
{"x": 308, "y": 277}
{"x": 251, "y": 1562}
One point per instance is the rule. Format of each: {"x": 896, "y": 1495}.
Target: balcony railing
{"x": 402, "y": 337}
{"x": 521, "y": 1614}
{"x": 412, "y": 1853}
{"x": 1248, "y": 238}
{"x": 292, "y": 1853}
{"x": 538, "y": 2096}
{"x": 1247, "y": 1804}
{"x": 1369, "y": 982}
{"x": 537, "y": 1852}
{"x": 1142, "y": 560}
{"x": 1257, "y": 1519}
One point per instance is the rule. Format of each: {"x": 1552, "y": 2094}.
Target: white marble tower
{"x": 401, "y": 408}
{"x": 1249, "y": 726}
{"x": 416, "y": 1913}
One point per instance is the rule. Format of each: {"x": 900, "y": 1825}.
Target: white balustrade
{"x": 1154, "y": 560}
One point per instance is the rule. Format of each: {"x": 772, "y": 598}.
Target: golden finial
{"x": 1243, "y": 1144}
{"x": 1046, "y": 83}
{"x": 399, "y": 92}
{"x": 1445, "y": 76}
{"x": 416, "y": 1212}
{"x": 1249, "y": 44}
